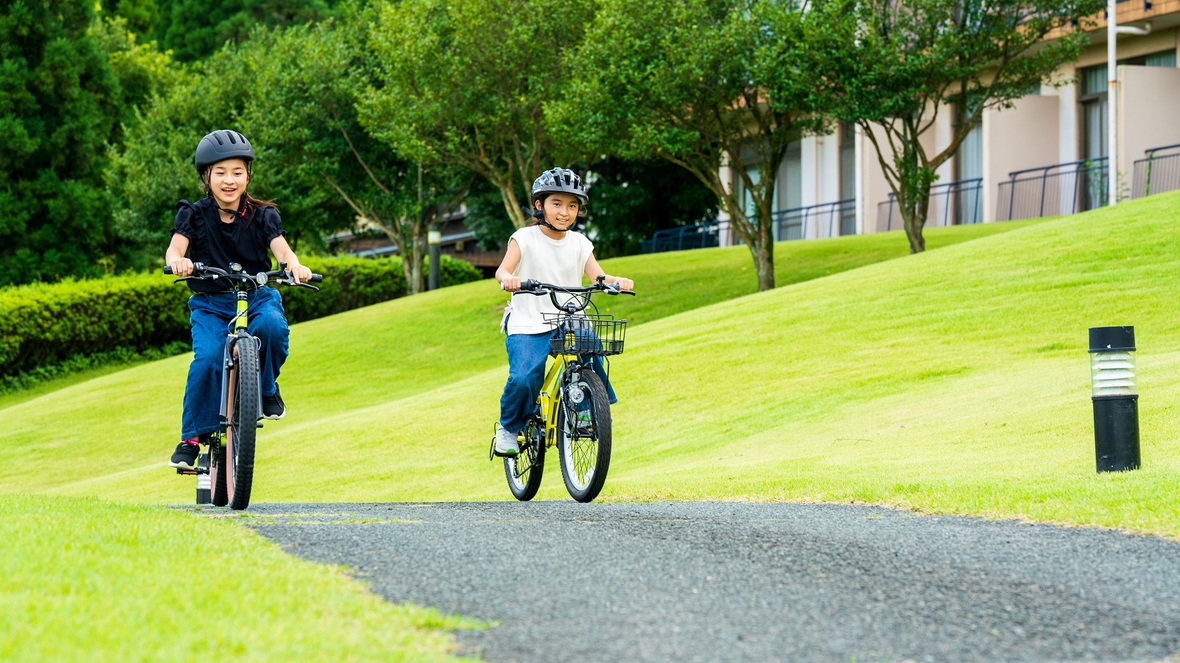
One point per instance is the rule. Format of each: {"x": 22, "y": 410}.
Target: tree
{"x": 894, "y": 65}
{"x": 59, "y": 102}
{"x": 194, "y": 29}
{"x": 308, "y": 115}
{"x": 463, "y": 83}
{"x": 293, "y": 93}
{"x": 691, "y": 82}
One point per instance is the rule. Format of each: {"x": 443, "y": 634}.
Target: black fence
{"x": 1157, "y": 173}
{"x": 683, "y": 237}
{"x": 951, "y": 204}
{"x": 1064, "y": 188}
{"x": 825, "y": 220}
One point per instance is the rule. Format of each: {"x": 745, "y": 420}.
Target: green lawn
{"x": 955, "y": 381}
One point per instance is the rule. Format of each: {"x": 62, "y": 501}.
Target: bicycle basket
{"x": 586, "y": 335}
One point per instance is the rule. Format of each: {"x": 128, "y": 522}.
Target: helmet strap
{"x": 539, "y": 215}
{"x": 240, "y": 213}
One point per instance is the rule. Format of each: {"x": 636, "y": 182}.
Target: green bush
{"x": 44, "y": 328}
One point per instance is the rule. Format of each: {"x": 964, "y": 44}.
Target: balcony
{"x": 951, "y": 204}
{"x": 1065, "y": 188}
{"x": 1157, "y": 173}
{"x": 815, "y": 221}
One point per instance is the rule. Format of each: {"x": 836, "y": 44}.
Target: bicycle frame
{"x": 550, "y": 398}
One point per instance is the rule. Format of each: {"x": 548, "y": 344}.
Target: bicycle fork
{"x": 229, "y": 359}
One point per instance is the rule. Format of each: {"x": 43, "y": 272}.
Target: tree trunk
{"x": 512, "y": 205}
{"x": 415, "y": 279}
{"x": 759, "y": 239}
{"x": 913, "y": 213}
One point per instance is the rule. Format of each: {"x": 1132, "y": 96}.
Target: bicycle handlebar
{"x": 581, "y": 295}
{"x": 533, "y": 287}
{"x": 209, "y": 272}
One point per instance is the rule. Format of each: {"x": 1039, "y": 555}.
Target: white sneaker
{"x": 506, "y": 442}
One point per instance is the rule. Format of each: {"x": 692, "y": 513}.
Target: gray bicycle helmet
{"x": 221, "y": 145}
{"x": 561, "y": 180}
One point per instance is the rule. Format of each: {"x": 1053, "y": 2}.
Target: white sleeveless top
{"x": 556, "y": 261}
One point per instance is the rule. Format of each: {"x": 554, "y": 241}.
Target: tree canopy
{"x": 701, "y": 84}
{"x": 66, "y": 84}
{"x": 464, "y": 83}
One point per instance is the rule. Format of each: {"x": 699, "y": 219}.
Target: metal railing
{"x": 683, "y": 237}
{"x": 951, "y": 203}
{"x": 1157, "y": 173}
{"x": 815, "y": 221}
{"x": 1064, "y": 188}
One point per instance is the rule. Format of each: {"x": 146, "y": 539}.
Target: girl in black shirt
{"x": 228, "y": 225}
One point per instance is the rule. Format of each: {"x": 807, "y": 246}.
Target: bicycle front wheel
{"x": 243, "y": 423}
{"x": 584, "y": 436}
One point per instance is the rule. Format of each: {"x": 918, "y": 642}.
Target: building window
{"x": 968, "y": 206}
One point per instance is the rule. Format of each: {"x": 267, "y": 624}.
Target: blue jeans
{"x": 526, "y": 375}
{"x": 211, "y": 317}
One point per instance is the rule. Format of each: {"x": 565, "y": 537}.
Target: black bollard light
{"x": 1115, "y": 397}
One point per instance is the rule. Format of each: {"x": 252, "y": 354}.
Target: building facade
{"x": 1045, "y": 156}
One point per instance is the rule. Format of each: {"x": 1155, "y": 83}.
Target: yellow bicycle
{"x": 573, "y": 409}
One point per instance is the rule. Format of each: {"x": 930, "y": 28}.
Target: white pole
{"x": 1112, "y": 106}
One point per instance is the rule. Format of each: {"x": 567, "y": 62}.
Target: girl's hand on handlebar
{"x": 181, "y": 267}
{"x": 510, "y": 283}
{"x": 624, "y": 284}
{"x": 299, "y": 273}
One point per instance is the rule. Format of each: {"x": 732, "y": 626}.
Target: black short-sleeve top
{"x": 246, "y": 241}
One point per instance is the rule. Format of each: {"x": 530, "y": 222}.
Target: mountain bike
{"x": 226, "y": 472}
{"x": 573, "y": 409}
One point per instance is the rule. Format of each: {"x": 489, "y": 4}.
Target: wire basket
{"x": 586, "y": 335}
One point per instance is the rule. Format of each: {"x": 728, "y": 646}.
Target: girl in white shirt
{"x": 550, "y": 252}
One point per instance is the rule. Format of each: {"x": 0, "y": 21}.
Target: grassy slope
{"x": 953, "y": 381}
{"x": 82, "y": 579}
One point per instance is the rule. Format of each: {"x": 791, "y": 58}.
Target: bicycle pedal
{"x": 181, "y": 470}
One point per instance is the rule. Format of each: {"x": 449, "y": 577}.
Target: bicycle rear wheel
{"x": 524, "y": 470}
{"x": 584, "y": 446}
{"x": 243, "y": 423}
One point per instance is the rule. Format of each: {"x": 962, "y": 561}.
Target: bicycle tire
{"x": 243, "y": 423}
{"x": 523, "y": 471}
{"x": 585, "y": 458}
{"x": 217, "y": 471}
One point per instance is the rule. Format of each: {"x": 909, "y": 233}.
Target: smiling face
{"x": 561, "y": 210}
{"x": 228, "y": 179}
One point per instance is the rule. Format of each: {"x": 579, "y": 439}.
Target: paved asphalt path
{"x": 753, "y": 582}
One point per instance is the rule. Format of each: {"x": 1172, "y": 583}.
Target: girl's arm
{"x": 174, "y": 256}
{"x": 593, "y": 270}
{"x": 504, "y": 273}
{"x": 283, "y": 253}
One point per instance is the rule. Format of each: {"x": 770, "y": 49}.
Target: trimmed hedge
{"x": 49, "y": 325}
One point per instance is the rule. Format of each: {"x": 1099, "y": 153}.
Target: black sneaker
{"x": 273, "y": 407}
{"x": 185, "y": 456}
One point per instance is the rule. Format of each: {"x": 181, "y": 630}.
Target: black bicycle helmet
{"x": 561, "y": 180}
{"x": 221, "y": 145}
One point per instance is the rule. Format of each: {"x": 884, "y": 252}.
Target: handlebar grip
{"x": 316, "y": 278}
{"x": 167, "y": 269}
{"x": 529, "y": 285}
